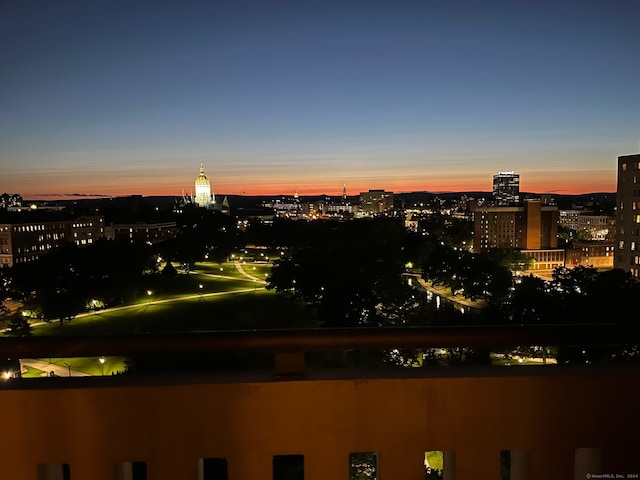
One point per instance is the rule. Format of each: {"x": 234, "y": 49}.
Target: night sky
{"x": 126, "y": 97}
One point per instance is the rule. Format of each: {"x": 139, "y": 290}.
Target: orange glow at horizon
{"x": 534, "y": 185}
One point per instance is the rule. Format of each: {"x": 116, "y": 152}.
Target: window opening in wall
{"x": 515, "y": 464}
{"x": 54, "y": 471}
{"x": 213, "y": 469}
{"x": 433, "y": 465}
{"x": 288, "y": 467}
{"x": 131, "y": 471}
{"x": 363, "y": 466}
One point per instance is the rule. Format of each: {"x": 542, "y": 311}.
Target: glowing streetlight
{"x": 149, "y": 292}
{"x": 101, "y": 359}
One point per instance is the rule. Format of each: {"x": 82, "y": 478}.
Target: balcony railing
{"x": 548, "y": 422}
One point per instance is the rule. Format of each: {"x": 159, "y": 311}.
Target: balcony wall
{"x": 170, "y": 423}
{"x": 559, "y": 421}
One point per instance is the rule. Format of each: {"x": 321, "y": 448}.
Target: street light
{"x": 149, "y": 292}
{"x": 102, "y": 365}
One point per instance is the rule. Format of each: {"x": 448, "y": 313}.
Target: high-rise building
{"x": 530, "y": 227}
{"x": 506, "y": 188}
{"x": 204, "y": 196}
{"x": 627, "y": 253}
{"x": 376, "y": 201}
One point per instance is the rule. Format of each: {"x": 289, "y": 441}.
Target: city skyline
{"x": 115, "y": 99}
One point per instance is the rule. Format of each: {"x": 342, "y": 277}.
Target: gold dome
{"x": 202, "y": 178}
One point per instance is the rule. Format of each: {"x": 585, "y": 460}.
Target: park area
{"x": 210, "y": 296}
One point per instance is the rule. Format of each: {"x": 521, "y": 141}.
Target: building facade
{"x": 531, "y": 227}
{"x": 506, "y": 188}
{"x": 27, "y": 241}
{"x": 590, "y": 253}
{"x": 204, "y": 196}
{"x": 376, "y": 201}
{"x": 149, "y": 233}
{"x": 596, "y": 227}
{"x": 627, "y": 253}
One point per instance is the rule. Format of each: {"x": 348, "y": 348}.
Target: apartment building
{"x": 149, "y": 233}
{"x": 531, "y": 227}
{"x": 597, "y": 227}
{"x": 627, "y": 253}
{"x": 26, "y": 241}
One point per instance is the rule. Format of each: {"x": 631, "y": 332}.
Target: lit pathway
{"x": 66, "y": 372}
{"x": 244, "y": 272}
{"x": 50, "y": 367}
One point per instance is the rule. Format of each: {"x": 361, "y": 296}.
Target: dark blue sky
{"x": 122, "y": 97}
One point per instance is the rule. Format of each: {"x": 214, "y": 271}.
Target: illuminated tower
{"x": 506, "y": 188}
{"x": 204, "y": 197}
{"x": 344, "y": 192}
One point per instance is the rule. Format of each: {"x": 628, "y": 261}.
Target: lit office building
{"x": 376, "y": 201}
{"x": 506, "y": 188}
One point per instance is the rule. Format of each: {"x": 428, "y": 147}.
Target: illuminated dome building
{"x": 204, "y": 197}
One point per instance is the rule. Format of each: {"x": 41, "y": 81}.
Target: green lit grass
{"x": 434, "y": 459}
{"x": 199, "y": 301}
{"x": 30, "y": 372}
{"x": 514, "y": 361}
{"x": 255, "y": 309}
{"x": 90, "y": 365}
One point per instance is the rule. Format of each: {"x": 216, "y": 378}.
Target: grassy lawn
{"x": 257, "y": 309}
{"x": 515, "y": 361}
{"x": 90, "y": 365}
{"x": 434, "y": 459}
{"x": 204, "y": 300}
{"x": 33, "y": 373}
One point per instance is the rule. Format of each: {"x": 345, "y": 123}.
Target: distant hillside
{"x": 602, "y": 203}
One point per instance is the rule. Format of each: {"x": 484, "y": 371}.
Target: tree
{"x": 352, "y": 273}
{"x": 530, "y": 302}
{"x": 18, "y": 326}
{"x": 511, "y": 258}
